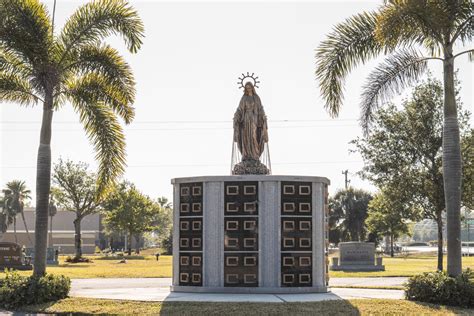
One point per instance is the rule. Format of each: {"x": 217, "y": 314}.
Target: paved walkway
{"x": 157, "y": 289}
{"x": 363, "y": 282}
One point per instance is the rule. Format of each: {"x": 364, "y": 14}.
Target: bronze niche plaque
{"x": 241, "y": 234}
{"x": 241, "y": 198}
{"x": 241, "y": 269}
{"x": 190, "y": 199}
{"x": 190, "y": 233}
{"x": 296, "y": 198}
{"x": 190, "y": 269}
{"x": 296, "y": 233}
{"x": 296, "y": 270}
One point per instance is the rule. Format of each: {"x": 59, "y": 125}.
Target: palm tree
{"x": 16, "y": 193}
{"x": 36, "y": 65}
{"x": 349, "y": 212}
{"x": 404, "y": 29}
{"x": 7, "y": 214}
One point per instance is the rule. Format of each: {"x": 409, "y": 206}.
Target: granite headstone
{"x": 52, "y": 255}
{"x": 357, "y": 256}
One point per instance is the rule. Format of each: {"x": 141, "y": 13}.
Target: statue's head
{"x": 249, "y": 89}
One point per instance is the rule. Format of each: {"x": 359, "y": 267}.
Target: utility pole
{"x": 346, "y": 181}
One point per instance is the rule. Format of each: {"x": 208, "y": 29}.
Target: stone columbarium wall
{"x": 250, "y": 234}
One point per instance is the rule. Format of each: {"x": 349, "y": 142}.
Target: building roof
{"x": 62, "y": 222}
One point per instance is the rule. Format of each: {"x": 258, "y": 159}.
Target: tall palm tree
{"x": 5, "y": 220}
{"x": 7, "y": 214}
{"x": 16, "y": 193}
{"x": 411, "y": 33}
{"x": 75, "y": 66}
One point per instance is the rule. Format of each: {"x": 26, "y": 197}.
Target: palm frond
{"x": 465, "y": 31}
{"x": 408, "y": 22}
{"x": 110, "y": 69}
{"x": 25, "y": 27}
{"x": 12, "y": 63}
{"x": 351, "y": 42}
{"x": 108, "y": 139}
{"x": 101, "y": 18}
{"x": 15, "y": 89}
{"x": 395, "y": 73}
{"x": 462, "y": 15}
{"x": 96, "y": 88}
{"x": 469, "y": 52}
{"x": 19, "y": 187}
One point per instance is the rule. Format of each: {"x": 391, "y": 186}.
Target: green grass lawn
{"x": 111, "y": 268}
{"x": 349, "y": 307}
{"x": 403, "y": 267}
{"x": 150, "y": 268}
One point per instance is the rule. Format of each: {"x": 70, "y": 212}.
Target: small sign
{"x": 10, "y": 255}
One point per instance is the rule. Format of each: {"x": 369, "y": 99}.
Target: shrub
{"x": 439, "y": 288}
{"x": 133, "y": 257}
{"x": 70, "y": 259}
{"x": 16, "y": 290}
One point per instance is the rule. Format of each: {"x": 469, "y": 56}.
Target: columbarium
{"x": 251, "y": 231}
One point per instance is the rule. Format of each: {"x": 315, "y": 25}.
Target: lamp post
{"x": 52, "y": 212}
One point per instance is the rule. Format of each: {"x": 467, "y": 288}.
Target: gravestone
{"x": 52, "y": 255}
{"x": 12, "y": 257}
{"x": 357, "y": 256}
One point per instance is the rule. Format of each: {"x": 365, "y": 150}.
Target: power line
{"x": 184, "y": 128}
{"x": 187, "y": 122}
{"x": 207, "y": 165}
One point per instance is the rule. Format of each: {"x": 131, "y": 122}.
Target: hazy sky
{"x": 187, "y": 94}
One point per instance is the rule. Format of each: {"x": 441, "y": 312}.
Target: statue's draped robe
{"x": 250, "y": 127}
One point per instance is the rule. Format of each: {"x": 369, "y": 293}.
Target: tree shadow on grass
{"x": 38, "y": 309}
{"x": 330, "y": 307}
{"x": 71, "y": 265}
{"x": 453, "y": 309}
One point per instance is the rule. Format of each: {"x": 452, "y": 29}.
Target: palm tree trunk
{"x": 137, "y": 246}
{"x": 43, "y": 184}
{"x": 392, "y": 254}
{"x": 51, "y": 232}
{"x": 439, "y": 222}
{"x": 14, "y": 230}
{"x": 452, "y": 168}
{"x": 77, "y": 238}
{"x": 26, "y": 228}
{"x": 129, "y": 242}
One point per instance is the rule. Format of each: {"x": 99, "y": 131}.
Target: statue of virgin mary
{"x": 250, "y": 135}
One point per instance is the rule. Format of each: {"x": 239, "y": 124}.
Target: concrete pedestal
{"x": 250, "y": 234}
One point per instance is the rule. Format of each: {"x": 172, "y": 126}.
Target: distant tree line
{"x": 402, "y": 155}
{"x": 125, "y": 209}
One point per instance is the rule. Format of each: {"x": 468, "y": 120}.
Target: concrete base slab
{"x": 309, "y": 297}
{"x": 249, "y": 290}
